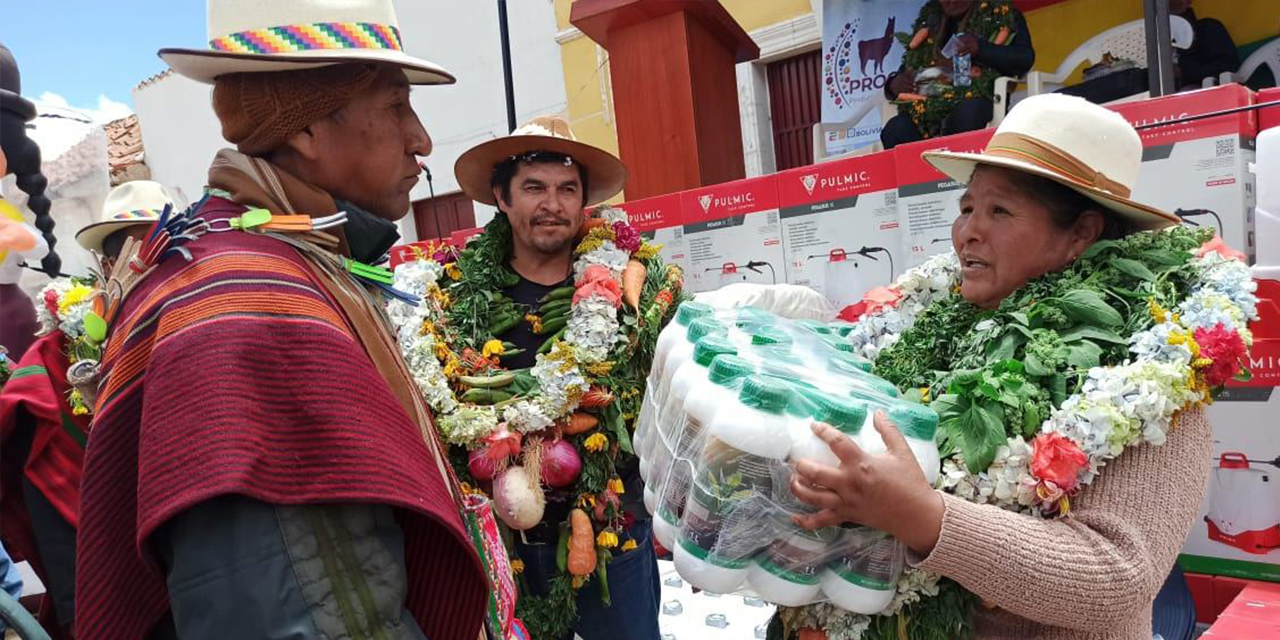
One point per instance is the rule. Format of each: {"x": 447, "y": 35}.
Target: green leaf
{"x": 1166, "y": 257}
{"x": 1035, "y": 367}
{"x": 1031, "y": 420}
{"x": 989, "y": 390}
{"x": 1020, "y": 317}
{"x": 947, "y": 405}
{"x": 1058, "y": 389}
{"x": 981, "y": 433}
{"x": 1093, "y": 333}
{"x": 1086, "y": 305}
{"x": 1133, "y": 268}
{"x": 1097, "y": 248}
{"x": 1084, "y": 354}
{"x": 1006, "y": 347}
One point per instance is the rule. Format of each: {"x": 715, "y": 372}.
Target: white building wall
{"x": 180, "y": 133}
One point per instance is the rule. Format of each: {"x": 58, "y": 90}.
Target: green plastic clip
{"x": 95, "y": 328}
{"x": 251, "y": 218}
{"x": 368, "y": 272}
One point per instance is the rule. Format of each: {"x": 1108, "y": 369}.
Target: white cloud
{"x": 106, "y": 111}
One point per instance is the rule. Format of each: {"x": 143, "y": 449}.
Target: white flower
{"x": 526, "y": 416}
{"x": 613, "y": 214}
{"x": 607, "y": 255}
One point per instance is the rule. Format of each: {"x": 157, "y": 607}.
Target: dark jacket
{"x": 1212, "y": 52}
{"x": 1012, "y": 59}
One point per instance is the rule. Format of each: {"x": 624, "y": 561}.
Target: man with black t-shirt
{"x": 542, "y": 179}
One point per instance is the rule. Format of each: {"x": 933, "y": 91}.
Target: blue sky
{"x": 84, "y": 50}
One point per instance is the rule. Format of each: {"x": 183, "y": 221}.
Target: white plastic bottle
{"x": 674, "y": 442}
{"x": 673, "y": 333}
{"x": 789, "y": 572}
{"x": 680, "y": 352}
{"x": 864, "y": 577}
{"x": 700, "y": 407}
{"x": 720, "y": 531}
{"x": 846, "y": 414}
{"x": 919, "y": 425}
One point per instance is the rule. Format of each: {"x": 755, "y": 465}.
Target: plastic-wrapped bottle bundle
{"x": 720, "y": 449}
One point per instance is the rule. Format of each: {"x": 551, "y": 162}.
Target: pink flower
{"x": 1057, "y": 459}
{"x": 593, "y": 273}
{"x": 626, "y": 237}
{"x": 1217, "y": 245}
{"x": 608, "y": 289}
{"x": 502, "y": 443}
{"x": 1225, "y": 348}
{"x": 51, "y": 302}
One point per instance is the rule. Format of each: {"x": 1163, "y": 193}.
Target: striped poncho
{"x": 238, "y": 373}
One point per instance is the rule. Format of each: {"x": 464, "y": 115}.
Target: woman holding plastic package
{"x": 1072, "y": 328}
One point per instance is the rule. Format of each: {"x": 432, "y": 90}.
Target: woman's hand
{"x": 968, "y": 45}
{"x": 886, "y": 492}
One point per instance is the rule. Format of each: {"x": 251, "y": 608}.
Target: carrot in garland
{"x": 918, "y": 39}
{"x": 588, "y": 225}
{"x": 582, "y": 546}
{"x": 1002, "y": 35}
{"x": 633, "y": 282}
{"x": 580, "y": 423}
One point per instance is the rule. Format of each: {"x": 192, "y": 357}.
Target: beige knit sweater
{"x": 1091, "y": 575}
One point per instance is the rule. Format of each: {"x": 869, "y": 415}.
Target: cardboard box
{"x": 1200, "y": 169}
{"x": 1237, "y": 532}
{"x": 840, "y": 230}
{"x": 1254, "y": 614}
{"x": 660, "y": 220}
{"x": 928, "y": 201}
{"x": 732, "y": 234}
{"x": 1269, "y": 116}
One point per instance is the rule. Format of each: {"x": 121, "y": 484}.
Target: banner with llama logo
{"x": 859, "y": 52}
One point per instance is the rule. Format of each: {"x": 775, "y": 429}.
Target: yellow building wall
{"x": 1056, "y": 29}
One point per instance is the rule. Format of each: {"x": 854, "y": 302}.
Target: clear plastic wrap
{"x": 727, "y": 420}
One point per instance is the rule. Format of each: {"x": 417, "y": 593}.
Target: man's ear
{"x": 305, "y": 143}
{"x": 1088, "y": 229}
{"x": 497, "y": 195}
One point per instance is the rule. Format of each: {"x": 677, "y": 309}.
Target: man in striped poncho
{"x": 260, "y": 464}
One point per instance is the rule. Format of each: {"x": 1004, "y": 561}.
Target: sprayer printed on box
{"x": 659, "y": 220}
{"x": 1200, "y": 169}
{"x": 1237, "y": 531}
{"x": 732, "y": 234}
{"x": 840, "y": 226}
{"x": 928, "y": 200}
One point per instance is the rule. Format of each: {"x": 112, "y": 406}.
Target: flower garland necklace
{"x": 584, "y": 389}
{"x": 1036, "y": 396}
{"x": 990, "y": 20}
{"x": 65, "y": 305}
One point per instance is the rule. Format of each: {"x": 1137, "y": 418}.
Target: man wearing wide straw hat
{"x": 542, "y": 179}
{"x": 43, "y": 423}
{"x": 261, "y": 465}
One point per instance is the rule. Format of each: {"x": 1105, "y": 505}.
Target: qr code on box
{"x": 1226, "y": 147}
{"x": 773, "y": 217}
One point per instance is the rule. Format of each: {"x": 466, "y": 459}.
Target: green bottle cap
{"x": 767, "y": 394}
{"x": 691, "y": 310}
{"x": 838, "y": 344}
{"x": 849, "y": 363}
{"x": 770, "y": 335}
{"x": 915, "y": 420}
{"x": 703, "y": 327}
{"x": 842, "y": 329}
{"x": 711, "y": 346}
{"x": 750, "y": 317}
{"x": 727, "y": 368}
{"x": 845, "y": 414}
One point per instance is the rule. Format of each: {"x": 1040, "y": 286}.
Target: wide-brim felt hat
{"x": 253, "y": 36}
{"x": 1088, "y": 148}
{"x": 132, "y": 204}
{"x": 606, "y": 174}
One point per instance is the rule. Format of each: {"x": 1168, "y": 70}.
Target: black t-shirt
{"x": 527, "y": 292}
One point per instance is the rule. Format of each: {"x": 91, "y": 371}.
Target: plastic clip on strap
{"x": 378, "y": 277}
{"x": 261, "y": 219}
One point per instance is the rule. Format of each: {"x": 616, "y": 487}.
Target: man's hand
{"x": 885, "y": 492}
{"x": 904, "y": 82}
{"x": 968, "y": 45}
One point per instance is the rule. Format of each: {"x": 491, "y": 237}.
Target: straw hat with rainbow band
{"x": 247, "y": 36}
{"x": 1088, "y": 148}
{"x": 136, "y": 203}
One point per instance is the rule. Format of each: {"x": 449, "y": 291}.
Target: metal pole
{"x": 1159, "y": 48}
{"x": 504, "y": 35}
